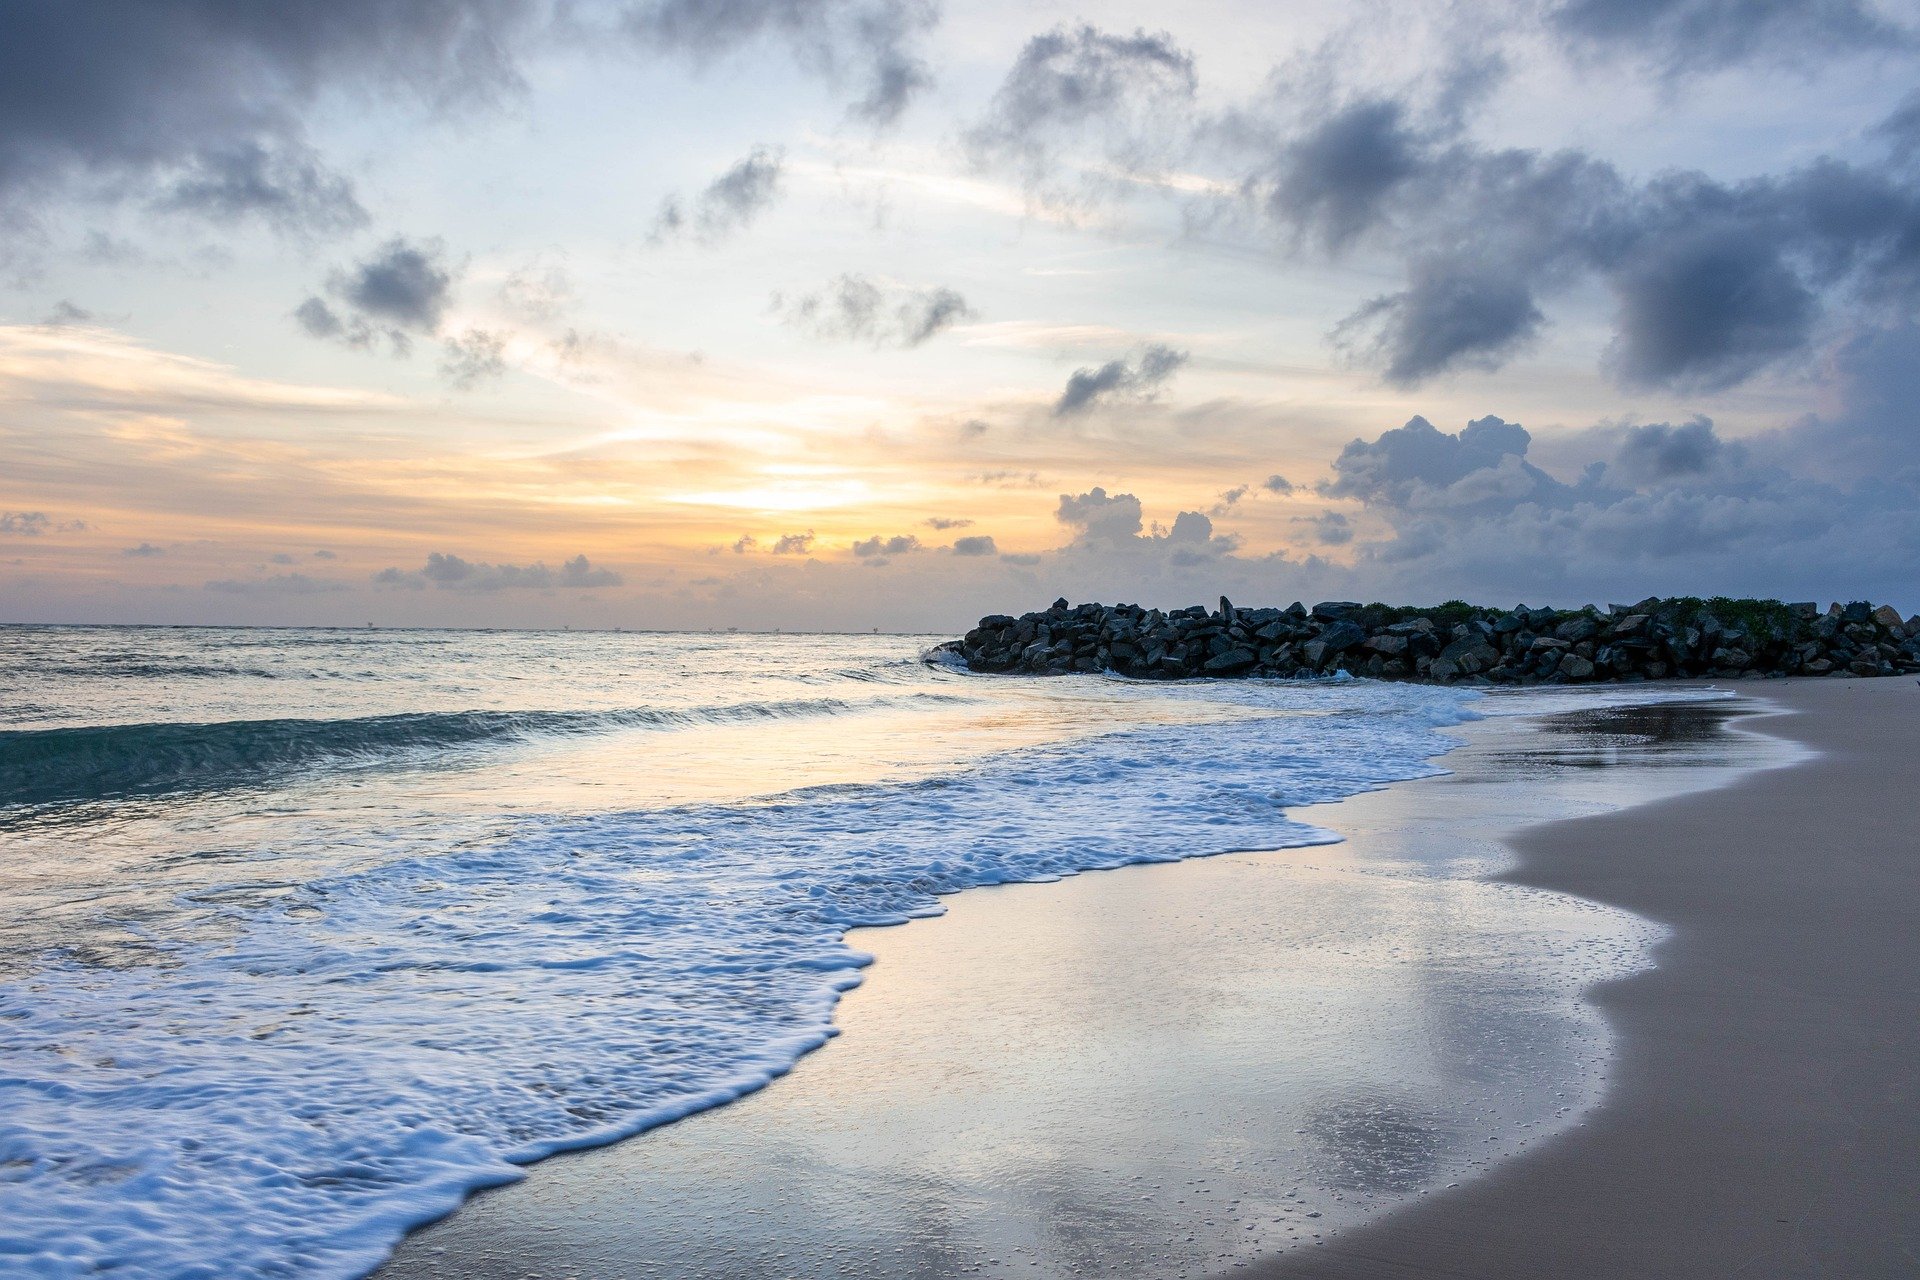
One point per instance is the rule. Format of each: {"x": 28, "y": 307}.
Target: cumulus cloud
{"x": 1098, "y": 516}
{"x": 898, "y": 545}
{"x": 883, "y": 313}
{"x": 451, "y": 572}
{"x": 1657, "y": 507}
{"x": 1136, "y": 378}
{"x": 1329, "y": 528}
{"x": 946, "y": 522}
{"x": 403, "y": 289}
{"x": 1277, "y": 483}
{"x": 145, "y": 550}
{"x": 979, "y": 544}
{"x": 729, "y": 203}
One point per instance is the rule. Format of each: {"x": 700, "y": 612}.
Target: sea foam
{"x": 356, "y": 1058}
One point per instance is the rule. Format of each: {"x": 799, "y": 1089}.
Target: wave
{"x": 98, "y": 762}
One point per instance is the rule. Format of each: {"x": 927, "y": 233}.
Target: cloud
{"x": 201, "y": 105}
{"x": 453, "y": 573}
{"x": 280, "y": 584}
{"x": 1227, "y": 501}
{"x": 729, "y": 203}
{"x": 870, "y": 41}
{"x": 885, "y": 314}
{"x": 1714, "y": 281}
{"x": 1136, "y": 378}
{"x": 474, "y": 357}
{"x": 1708, "y": 35}
{"x": 145, "y": 550}
{"x": 1115, "y": 93}
{"x": 1277, "y": 483}
{"x": 794, "y": 544}
{"x": 744, "y": 543}
{"x": 1660, "y": 452}
{"x": 66, "y": 313}
{"x": 898, "y": 545}
{"x": 286, "y": 186}
{"x": 946, "y": 522}
{"x": 1099, "y": 516}
{"x": 35, "y": 524}
{"x": 979, "y": 544}
{"x": 1330, "y": 528}
{"x": 403, "y": 289}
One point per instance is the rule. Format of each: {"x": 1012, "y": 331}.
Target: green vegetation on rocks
{"x": 1454, "y": 642}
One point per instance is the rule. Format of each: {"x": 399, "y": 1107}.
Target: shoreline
{"x": 576, "y": 1214}
{"x": 1759, "y": 1118}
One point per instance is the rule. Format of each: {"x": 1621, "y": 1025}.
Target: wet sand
{"x": 1161, "y": 1070}
{"x": 1763, "y": 1111}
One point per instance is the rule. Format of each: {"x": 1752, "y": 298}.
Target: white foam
{"x": 376, "y": 1046}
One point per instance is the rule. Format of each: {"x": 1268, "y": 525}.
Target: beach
{"x": 935, "y": 1136}
{"x": 1760, "y": 1117}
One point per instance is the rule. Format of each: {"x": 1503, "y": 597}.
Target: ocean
{"x": 306, "y": 935}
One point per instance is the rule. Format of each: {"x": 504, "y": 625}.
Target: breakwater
{"x": 1661, "y": 638}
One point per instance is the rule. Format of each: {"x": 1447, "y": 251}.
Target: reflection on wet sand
{"x": 1159, "y": 1070}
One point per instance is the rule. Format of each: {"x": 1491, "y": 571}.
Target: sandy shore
{"x": 1114, "y": 1075}
{"x": 1763, "y": 1111}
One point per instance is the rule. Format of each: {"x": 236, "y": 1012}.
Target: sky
{"x": 854, "y": 314}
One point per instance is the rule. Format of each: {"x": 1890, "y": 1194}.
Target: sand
{"x": 1116, "y": 1076}
{"x": 1763, "y": 1111}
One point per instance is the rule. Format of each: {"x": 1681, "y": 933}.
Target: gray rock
{"x": 1231, "y": 660}
{"x": 1342, "y": 636}
{"x": 1575, "y": 667}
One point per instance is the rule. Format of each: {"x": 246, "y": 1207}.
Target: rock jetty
{"x": 1453, "y": 643}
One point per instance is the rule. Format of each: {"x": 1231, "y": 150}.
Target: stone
{"x": 1888, "y": 616}
{"x": 1231, "y": 660}
{"x": 1334, "y": 610}
{"x": 1342, "y": 636}
{"x": 1575, "y": 667}
{"x": 1388, "y": 645}
{"x": 1576, "y": 629}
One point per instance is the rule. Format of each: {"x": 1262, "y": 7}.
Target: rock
{"x": 1576, "y": 629}
{"x": 1388, "y": 645}
{"x": 1575, "y": 667}
{"x": 1334, "y": 610}
{"x": 1231, "y": 660}
{"x": 1888, "y": 616}
{"x": 1342, "y": 636}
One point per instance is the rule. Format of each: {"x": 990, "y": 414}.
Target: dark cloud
{"x": 474, "y": 357}
{"x": 403, "y": 289}
{"x": 946, "y": 522}
{"x": 868, "y": 41}
{"x": 145, "y": 550}
{"x": 1660, "y": 452}
{"x": 1137, "y": 378}
{"x": 453, "y": 573}
{"x": 1334, "y": 180}
{"x": 856, "y": 308}
{"x": 1330, "y": 528}
{"x": 1715, "y": 281}
{"x": 898, "y": 545}
{"x": 1448, "y": 317}
{"x": 201, "y": 100}
{"x": 1227, "y": 501}
{"x": 979, "y": 544}
{"x": 1277, "y": 484}
{"x": 200, "y": 105}
{"x": 744, "y": 543}
{"x": 730, "y": 202}
{"x": 1707, "y": 35}
{"x": 1418, "y": 467}
{"x": 1069, "y": 86}
{"x": 286, "y": 186}
{"x": 794, "y": 544}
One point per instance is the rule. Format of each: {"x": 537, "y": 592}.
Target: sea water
{"x": 307, "y": 935}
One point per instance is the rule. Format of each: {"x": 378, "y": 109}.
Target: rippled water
{"x": 308, "y": 934}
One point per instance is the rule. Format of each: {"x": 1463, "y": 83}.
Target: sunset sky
{"x": 883, "y": 313}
